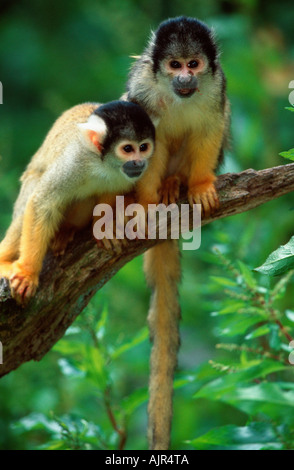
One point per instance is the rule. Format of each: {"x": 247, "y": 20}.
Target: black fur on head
{"x": 183, "y": 37}
{"x": 124, "y": 120}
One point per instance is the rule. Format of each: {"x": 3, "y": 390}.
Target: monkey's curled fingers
{"x": 109, "y": 242}
{"x": 170, "y": 190}
{"x": 23, "y": 286}
{"x": 206, "y": 196}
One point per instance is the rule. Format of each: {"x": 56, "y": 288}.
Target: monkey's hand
{"x": 23, "y": 284}
{"x": 170, "y": 190}
{"x": 109, "y": 240}
{"x": 206, "y": 195}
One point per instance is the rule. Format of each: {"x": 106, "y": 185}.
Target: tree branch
{"x": 67, "y": 283}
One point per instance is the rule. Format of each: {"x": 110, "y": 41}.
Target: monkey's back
{"x": 53, "y": 145}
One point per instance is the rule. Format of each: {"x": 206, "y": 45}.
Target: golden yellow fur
{"x": 65, "y": 179}
{"x": 182, "y": 86}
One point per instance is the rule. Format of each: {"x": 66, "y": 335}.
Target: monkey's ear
{"x": 93, "y": 132}
{"x": 155, "y": 120}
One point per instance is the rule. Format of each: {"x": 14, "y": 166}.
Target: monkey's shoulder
{"x": 63, "y": 131}
{"x": 77, "y": 114}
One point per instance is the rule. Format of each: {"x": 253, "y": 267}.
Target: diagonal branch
{"x": 67, "y": 283}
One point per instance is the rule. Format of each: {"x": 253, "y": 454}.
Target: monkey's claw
{"x": 206, "y": 196}
{"x": 23, "y": 288}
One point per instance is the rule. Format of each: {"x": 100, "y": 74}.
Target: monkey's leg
{"x": 9, "y": 248}
{"x": 162, "y": 269}
{"x": 148, "y": 187}
{"x": 203, "y": 161}
{"x": 38, "y": 229}
{"x": 77, "y": 216}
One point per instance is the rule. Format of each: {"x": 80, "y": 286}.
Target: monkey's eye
{"x": 128, "y": 148}
{"x": 143, "y": 147}
{"x": 174, "y": 64}
{"x": 193, "y": 64}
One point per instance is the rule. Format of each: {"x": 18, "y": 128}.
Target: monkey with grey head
{"x": 92, "y": 153}
{"x": 179, "y": 81}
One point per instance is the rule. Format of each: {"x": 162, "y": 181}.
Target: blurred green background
{"x": 56, "y": 54}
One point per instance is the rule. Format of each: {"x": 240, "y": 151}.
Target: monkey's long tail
{"x": 163, "y": 272}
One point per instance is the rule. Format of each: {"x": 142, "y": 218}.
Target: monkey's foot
{"x": 23, "y": 285}
{"x": 170, "y": 190}
{"x": 111, "y": 244}
{"x": 206, "y": 195}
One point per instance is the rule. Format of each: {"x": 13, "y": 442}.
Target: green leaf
{"x": 274, "y": 341}
{"x": 290, "y": 109}
{"x": 95, "y": 367}
{"x": 101, "y": 324}
{"x": 36, "y": 421}
{"x": 133, "y": 401}
{"x": 247, "y": 274}
{"x": 138, "y": 339}
{"x": 233, "y": 307}
{"x": 70, "y": 348}
{"x": 261, "y": 331}
{"x": 237, "y": 325}
{"x": 267, "y": 398}
{"x": 280, "y": 261}
{"x": 219, "y": 387}
{"x": 289, "y": 154}
{"x": 56, "y": 445}
{"x": 223, "y": 281}
{"x": 256, "y": 436}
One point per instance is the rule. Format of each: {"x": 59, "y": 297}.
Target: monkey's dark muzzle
{"x": 134, "y": 168}
{"x": 185, "y": 86}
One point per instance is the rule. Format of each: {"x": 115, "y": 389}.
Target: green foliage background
{"x": 57, "y": 54}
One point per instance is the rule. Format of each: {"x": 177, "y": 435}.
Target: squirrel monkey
{"x": 92, "y": 152}
{"x": 179, "y": 81}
